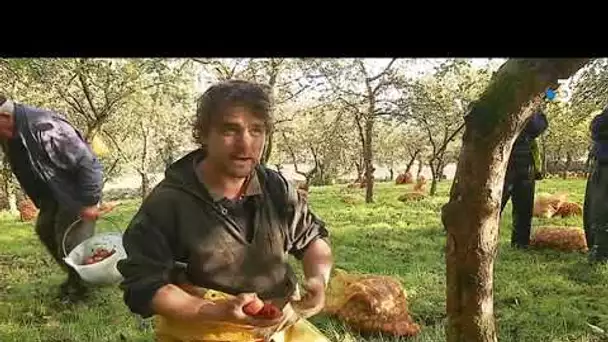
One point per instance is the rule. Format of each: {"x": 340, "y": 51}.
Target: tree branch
{"x": 386, "y": 69}
{"x": 294, "y": 95}
{"x": 353, "y": 106}
{"x": 450, "y": 138}
{"x": 85, "y": 89}
{"x": 110, "y": 170}
{"x": 75, "y": 105}
{"x": 360, "y": 129}
{"x": 292, "y": 154}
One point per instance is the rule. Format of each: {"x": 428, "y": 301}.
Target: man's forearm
{"x": 318, "y": 260}
{"x": 91, "y": 183}
{"x": 173, "y": 302}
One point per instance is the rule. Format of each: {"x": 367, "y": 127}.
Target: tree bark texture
{"x": 471, "y": 216}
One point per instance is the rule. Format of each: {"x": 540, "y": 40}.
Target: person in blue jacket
{"x": 595, "y": 210}
{"x": 59, "y": 172}
{"x": 520, "y": 179}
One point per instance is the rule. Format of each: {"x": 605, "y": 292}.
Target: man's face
{"x": 7, "y": 125}
{"x": 235, "y": 142}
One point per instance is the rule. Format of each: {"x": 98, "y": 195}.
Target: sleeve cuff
{"x": 299, "y": 253}
{"x": 139, "y": 298}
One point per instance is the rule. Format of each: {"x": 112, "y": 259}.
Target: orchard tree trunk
{"x": 420, "y": 166}
{"x": 368, "y": 160}
{"x": 360, "y": 169}
{"x": 268, "y": 149}
{"x": 588, "y": 159}
{"x": 440, "y": 169}
{"x": 322, "y": 174}
{"x": 144, "y": 166}
{"x": 145, "y": 184}
{"x": 472, "y": 214}
{"x": 568, "y": 164}
{"x": 433, "y": 178}
{"x": 410, "y": 163}
{"x": 436, "y": 166}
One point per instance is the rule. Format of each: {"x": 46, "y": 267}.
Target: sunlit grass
{"x": 539, "y": 295}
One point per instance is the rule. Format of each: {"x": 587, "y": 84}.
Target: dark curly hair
{"x": 221, "y": 96}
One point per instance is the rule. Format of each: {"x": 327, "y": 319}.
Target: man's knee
{"x": 71, "y": 230}
{"x": 45, "y": 224}
{"x": 525, "y": 194}
{"x": 75, "y": 233}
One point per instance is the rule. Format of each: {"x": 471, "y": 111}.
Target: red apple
{"x": 253, "y": 307}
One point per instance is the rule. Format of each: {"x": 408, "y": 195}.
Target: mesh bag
{"x": 370, "y": 304}
{"x": 567, "y": 239}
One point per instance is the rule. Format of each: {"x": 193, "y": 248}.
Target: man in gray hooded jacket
{"x": 59, "y": 172}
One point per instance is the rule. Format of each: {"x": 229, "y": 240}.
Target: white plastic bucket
{"x": 100, "y": 273}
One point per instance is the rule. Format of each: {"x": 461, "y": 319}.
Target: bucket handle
{"x": 71, "y": 226}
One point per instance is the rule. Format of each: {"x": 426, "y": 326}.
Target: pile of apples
{"x": 99, "y": 254}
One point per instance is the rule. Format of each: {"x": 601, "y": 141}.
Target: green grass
{"x": 539, "y": 295}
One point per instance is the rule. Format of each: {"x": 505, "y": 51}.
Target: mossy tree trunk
{"x": 471, "y": 216}
{"x": 412, "y": 160}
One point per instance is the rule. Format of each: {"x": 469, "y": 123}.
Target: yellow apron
{"x": 168, "y": 330}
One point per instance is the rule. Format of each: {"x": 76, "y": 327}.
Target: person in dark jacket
{"x": 60, "y": 174}
{"x": 520, "y": 179}
{"x": 220, "y": 220}
{"x": 595, "y": 210}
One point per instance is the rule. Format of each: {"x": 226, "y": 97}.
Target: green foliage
{"x": 566, "y": 136}
{"x": 317, "y": 137}
{"x": 437, "y": 104}
{"x": 156, "y": 121}
{"x": 321, "y": 104}
{"x": 590, "y": 89}
{"x": 129, "y": 98}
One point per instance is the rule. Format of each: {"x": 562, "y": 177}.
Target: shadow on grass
{"x": 32, "y": 311}
{"x": 586, "y": 273}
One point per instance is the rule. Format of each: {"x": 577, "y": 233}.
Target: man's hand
{"x": 317, "y": 262}
{"x": 183, "y": 304}
{"x": 91, "y": 213}
{"x": 231, "y": 311}
{"x": 313, "y": 300}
